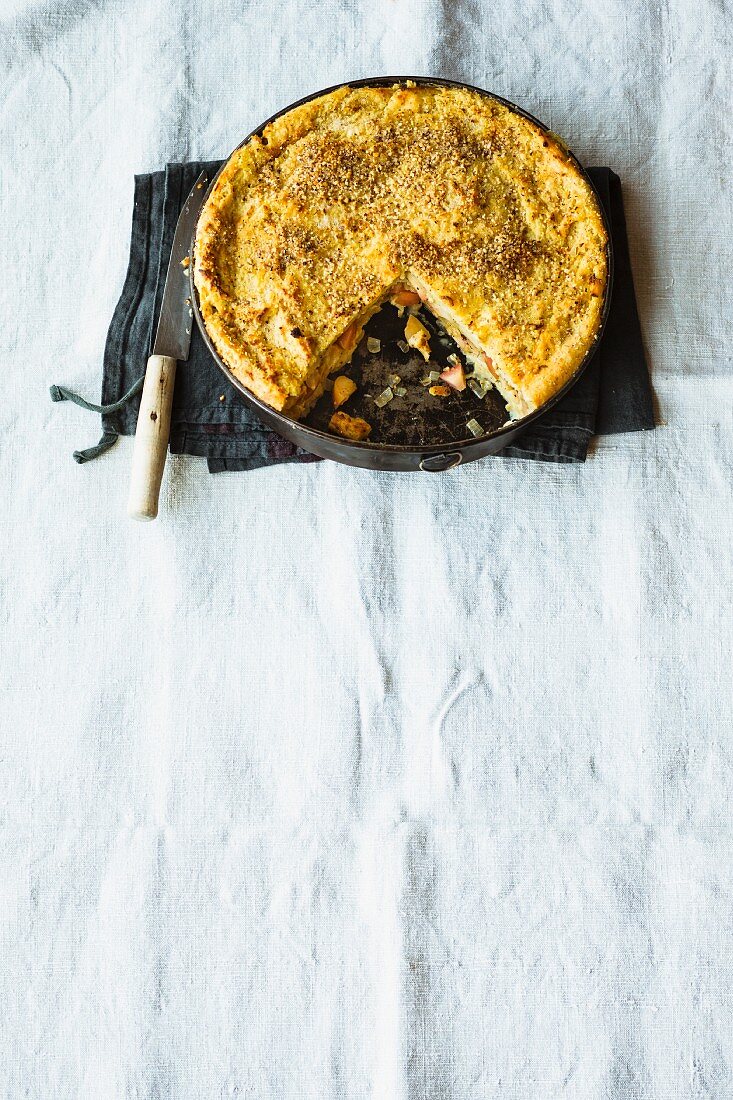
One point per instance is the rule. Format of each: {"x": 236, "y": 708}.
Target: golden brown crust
{"x": 310, "y": 225}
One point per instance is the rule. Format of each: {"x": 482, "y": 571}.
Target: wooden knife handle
{"x": 151, "y": 437}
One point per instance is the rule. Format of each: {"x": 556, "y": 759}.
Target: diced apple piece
{"x": 454, "y": 376}
{"x": 347, "y": 339}
{"x": 343, "y": 388}
{"x": 351, "y": 427}
{"x": 417, "y": 336}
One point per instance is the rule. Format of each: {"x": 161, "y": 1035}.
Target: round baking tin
{"x": 434, "y": 457}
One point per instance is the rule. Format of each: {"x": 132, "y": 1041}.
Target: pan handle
{"x": 436, "y": 464}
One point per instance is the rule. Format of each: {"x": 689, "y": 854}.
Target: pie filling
{"x": 486, "y": 364}
{"x": 408, "y": 294}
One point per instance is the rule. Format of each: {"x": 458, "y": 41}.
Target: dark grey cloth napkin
{"x": 211, "y": 419}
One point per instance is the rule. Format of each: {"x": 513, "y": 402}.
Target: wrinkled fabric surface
{"x": 211, "y": 419}
{"x": 333, "y": 783}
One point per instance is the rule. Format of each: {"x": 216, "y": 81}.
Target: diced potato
{"x": 414, "y": 329}
{"x": 351, "y": 427}
{"x": 417, "y": 336}
{"x": 343, "y": 388}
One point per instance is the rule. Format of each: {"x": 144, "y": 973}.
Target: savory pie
{"x": 369, "y": 194}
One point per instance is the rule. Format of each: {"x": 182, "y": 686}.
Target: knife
{"x": 172, "y": 344}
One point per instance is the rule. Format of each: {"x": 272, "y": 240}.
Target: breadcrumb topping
{"x": 311, "y": 224}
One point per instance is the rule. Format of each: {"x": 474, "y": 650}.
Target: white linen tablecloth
{"x": 339, "y": 784}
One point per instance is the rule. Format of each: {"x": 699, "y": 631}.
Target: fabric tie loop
{"x": 61, "y": 393}
{"x": 109, "y": 438}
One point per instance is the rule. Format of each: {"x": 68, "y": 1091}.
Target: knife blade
{"x": 172, "y": 344}
{"x": 173, "y": 335}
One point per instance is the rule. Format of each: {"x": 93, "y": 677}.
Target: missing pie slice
{"x": 427, "y": 194}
